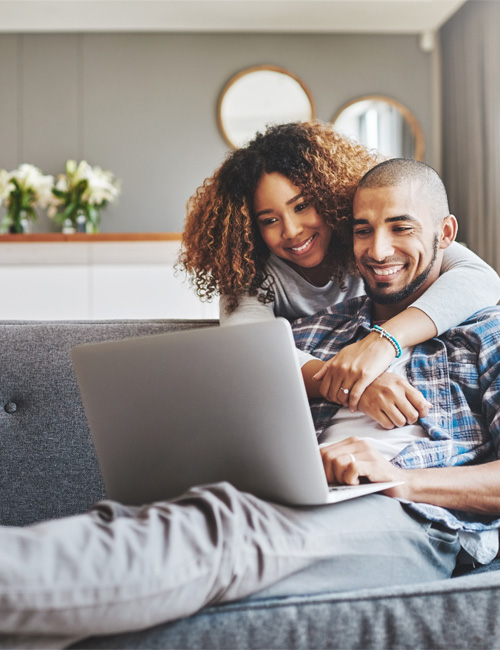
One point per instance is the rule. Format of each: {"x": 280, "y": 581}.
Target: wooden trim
{"x": 243, "y": 73}
{"x": 83, "y": 237}
{"x": 412, "y": 121}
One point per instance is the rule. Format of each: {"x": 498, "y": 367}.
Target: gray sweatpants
{"x": 122, "y": 568}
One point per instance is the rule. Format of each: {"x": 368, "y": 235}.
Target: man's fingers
{"x": 396, "y": 415}
{"x": 340, "y": 470}
{"x": 409, "y": 413}
{"x": 350, "y": 475}
{"x": 418, "y": 401}
{"x": 383, "y": 419}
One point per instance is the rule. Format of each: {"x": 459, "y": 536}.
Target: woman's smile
{"x": 304, "y": 248}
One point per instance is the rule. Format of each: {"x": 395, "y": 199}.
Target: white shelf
{"x": 96, "y": 280}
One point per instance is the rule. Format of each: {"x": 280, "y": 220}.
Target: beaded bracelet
{"x": 390, "y": 338}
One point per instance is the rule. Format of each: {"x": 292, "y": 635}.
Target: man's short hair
{"x": 397, "y": 171}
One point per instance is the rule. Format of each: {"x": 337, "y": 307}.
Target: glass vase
{"x": 92, "y": 225}
{"x": 19, "y": 223}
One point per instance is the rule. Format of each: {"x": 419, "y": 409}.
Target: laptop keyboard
{"x": 343, "y": 488}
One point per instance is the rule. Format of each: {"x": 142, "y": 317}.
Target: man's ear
{"x": 448, "y": 231}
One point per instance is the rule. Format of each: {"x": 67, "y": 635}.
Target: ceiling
{"x": 330, "y": 16}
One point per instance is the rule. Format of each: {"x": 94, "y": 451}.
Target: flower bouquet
{"x": 21, "y": 191}
{"x": 80, "y": 194}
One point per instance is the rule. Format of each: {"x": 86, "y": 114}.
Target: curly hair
{"x": 222, "y": 249}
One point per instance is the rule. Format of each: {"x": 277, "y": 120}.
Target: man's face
{"x": 396, "y": 243}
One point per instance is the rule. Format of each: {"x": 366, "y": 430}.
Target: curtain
{"x": 470, "y": 47}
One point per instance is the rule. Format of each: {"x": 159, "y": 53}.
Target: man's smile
{"x": 389, "y": 271}
{"x": 385, "y": 273}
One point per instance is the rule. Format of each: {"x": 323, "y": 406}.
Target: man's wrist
{"x": 410, "y": 488}
{"x": 309, "y": 369}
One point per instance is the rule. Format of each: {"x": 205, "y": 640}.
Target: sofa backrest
{"x": 48, "y": 467}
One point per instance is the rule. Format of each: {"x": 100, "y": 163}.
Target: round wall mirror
{"x": 260, "y": 96}
{"x": 384, "y": 124}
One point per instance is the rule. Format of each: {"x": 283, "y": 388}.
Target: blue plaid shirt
{"x": 458, "y": 373}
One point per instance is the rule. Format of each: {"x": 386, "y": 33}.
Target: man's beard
{"x": 410, "y": 289}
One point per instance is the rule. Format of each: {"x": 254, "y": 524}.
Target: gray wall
{"x": 144, "y": 105}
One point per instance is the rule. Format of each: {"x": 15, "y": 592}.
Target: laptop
{"x": 170, "y": 411}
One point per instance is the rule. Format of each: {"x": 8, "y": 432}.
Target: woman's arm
{"x": 251, "y": 310}
{"x": 357, "y": 365}
{"x": 466, "y": 285}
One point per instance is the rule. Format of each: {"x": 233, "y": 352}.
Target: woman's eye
{"x": 269, "y": 221}
{"x": 301, "y": 206}
{"x": 361, "y": 232}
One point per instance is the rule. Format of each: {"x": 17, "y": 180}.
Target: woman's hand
{"x": 392, "y": 401}
{"x": 353, "y": 369}
{"x": 346, "y": 462}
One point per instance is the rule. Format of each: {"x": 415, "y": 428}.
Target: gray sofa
{"x": 49, "y": 469}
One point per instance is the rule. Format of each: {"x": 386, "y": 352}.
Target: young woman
{"x": 270, "y": 233}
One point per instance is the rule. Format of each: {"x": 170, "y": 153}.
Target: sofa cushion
{"x": 461, "y": 613}
{"x": 49, "y": 468}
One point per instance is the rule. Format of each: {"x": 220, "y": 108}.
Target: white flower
{"x": 61, "y": 183}
{"x": 82, "y": 172}
{"x": 101, "y": 188}
{"x": 83, "y": 187}
{"x": 70, "y": 167}
{"x": 30, "y": 180}
{"x": 5, "y": 185}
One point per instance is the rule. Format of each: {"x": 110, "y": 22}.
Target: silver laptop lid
{"x": 170, "y": 411}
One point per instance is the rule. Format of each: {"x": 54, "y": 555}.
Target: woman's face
{"x": 290, "y": 226}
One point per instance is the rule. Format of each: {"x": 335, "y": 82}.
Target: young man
{"x": 120, "y": 568}
{"x": 401, "y": 227}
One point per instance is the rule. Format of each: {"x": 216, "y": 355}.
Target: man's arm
{"x": 471, "y": 488}
{"x": 309, "y": 369}
{"x": 390, "y": 400}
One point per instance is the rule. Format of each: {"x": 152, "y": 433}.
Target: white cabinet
{"x": 96, "y": 280}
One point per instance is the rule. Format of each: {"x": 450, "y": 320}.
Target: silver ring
{"x": 345, "y": 390}
{"x": 353, "y": 459}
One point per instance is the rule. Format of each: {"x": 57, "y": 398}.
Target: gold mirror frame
{"x": 269, "y": 120}
{"x": 407, "y": 115}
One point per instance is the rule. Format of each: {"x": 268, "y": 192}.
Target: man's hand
{"x": 347, "y": 462}
{"x": 392, "y": 401}
{"x": 354, "y": 368}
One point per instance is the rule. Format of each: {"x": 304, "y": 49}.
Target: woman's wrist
{"x": 384, "y": 334}
{"x": 375, "y": 337}
{"x": 410, "y": 327}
